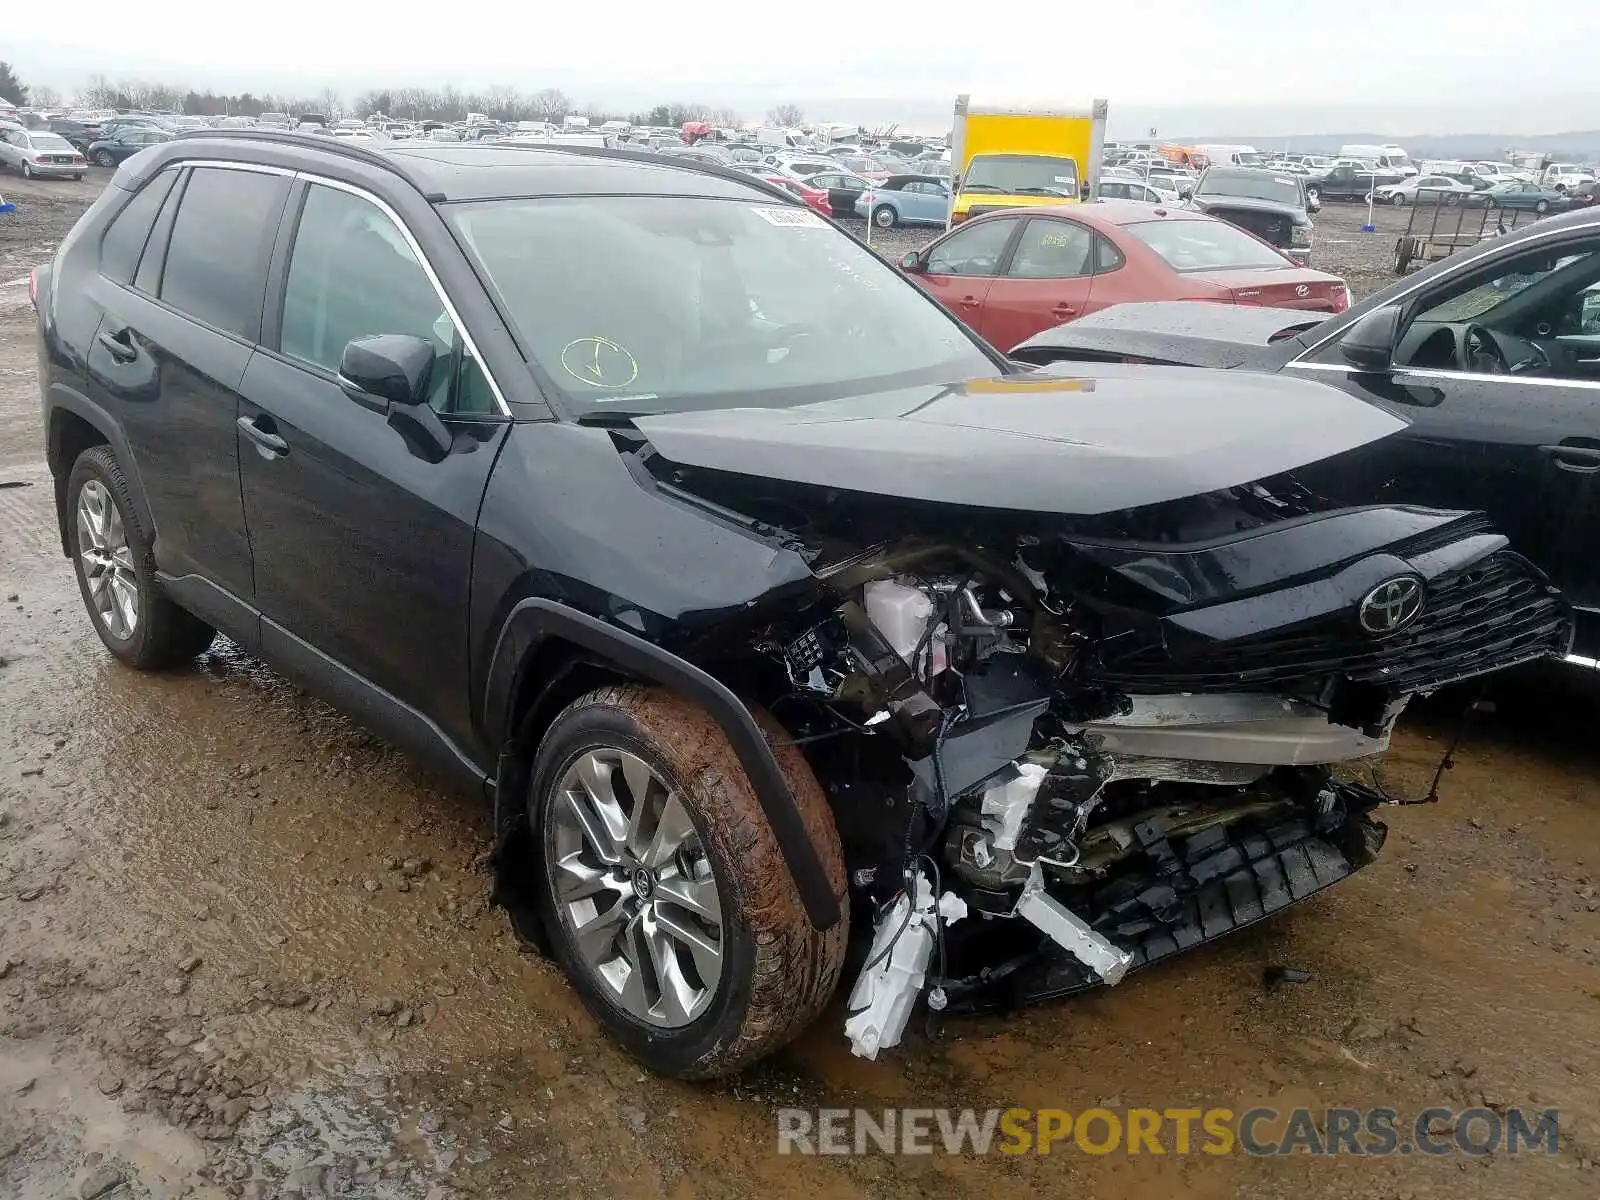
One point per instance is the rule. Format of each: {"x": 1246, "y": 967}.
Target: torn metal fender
{"x": 536, "y": 619}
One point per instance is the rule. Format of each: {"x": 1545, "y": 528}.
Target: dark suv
{"x": 748, "y": 585}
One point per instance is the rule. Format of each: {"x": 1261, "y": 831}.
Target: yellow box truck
{"x": 1016, "y": 157}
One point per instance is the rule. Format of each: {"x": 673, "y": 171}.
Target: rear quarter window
{"x": 217, "y": 257}
{"x": 125, "y": 237}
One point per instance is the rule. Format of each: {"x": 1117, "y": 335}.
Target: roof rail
{"x": 303, "y": 141}
{"x": 651, "y": 157}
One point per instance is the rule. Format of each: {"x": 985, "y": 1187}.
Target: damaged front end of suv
{"x": 1078, "y": 701}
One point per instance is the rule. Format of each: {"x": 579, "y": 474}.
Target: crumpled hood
{"x": 1079, "y": 444}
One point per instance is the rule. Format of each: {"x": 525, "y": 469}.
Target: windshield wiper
{"x": 981, "y": 187}
{"x": 1039, "y": 191}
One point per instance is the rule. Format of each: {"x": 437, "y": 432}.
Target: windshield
{"x": 1022, "y": 175}
{"x": 1280, "y": 188}
{"x": 667, "y": 304}
{"x": 1208, "y": 245}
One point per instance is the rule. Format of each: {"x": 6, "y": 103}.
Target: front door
{"x": 1046, "y": 282}
{"x": 960, "y": 267}
{"x": 363, "y": 549}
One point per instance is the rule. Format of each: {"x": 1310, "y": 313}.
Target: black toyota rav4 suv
{"x": 752, "y": 590}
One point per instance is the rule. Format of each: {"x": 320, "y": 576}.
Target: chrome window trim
{"x": 1547, "y": 235}
{"x": 382, "y": 206}
{"x": 1403, "y": 373}
{"x": 427, "y": 268}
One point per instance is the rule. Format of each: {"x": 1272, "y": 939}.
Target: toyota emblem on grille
{"x": 1303, "y": 290}
{"x": 1391, "y": 606}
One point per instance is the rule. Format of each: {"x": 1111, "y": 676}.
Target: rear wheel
{"x": 666, "y": 897}
{"x": 116, "y": 570}
{"x": 885, "y": 217}
{"x": 1542, "y": 207}
{"x": 27, "y": 171}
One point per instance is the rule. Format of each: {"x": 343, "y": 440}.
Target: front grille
{"x": 1272, "y": 227}
{"x": 1495, "y": 615}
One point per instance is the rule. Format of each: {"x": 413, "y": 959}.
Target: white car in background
{"x": 1563, "y": 177}
{"x": 1437, "y": 189}
{"x": 38, "y": 154}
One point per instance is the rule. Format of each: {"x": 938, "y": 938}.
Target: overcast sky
{"x": 1268, "y": 67}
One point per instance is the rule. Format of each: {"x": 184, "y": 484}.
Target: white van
{"x": 1235, "y": 155}
{"x": 1388, "y": 157}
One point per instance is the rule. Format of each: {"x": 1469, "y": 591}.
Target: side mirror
{"x": 386, "y": 368}
{"x": 389, "y": 373}
{"x": 1370, "y": 343}
{"x": 911, "y": 264}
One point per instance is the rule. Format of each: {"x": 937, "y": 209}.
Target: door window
{"x": 974, "y": 250}
{"x": 1051, "y": 249}
{"x": 1538, "y": 313}
{"x": 124, "y": 239}
{"x": 216, "y": 262}
{"x": 353, "y": 274}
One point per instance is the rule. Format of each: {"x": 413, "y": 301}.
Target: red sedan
{"x": 815, "y": 198}
{"x": 1012, "y": 274}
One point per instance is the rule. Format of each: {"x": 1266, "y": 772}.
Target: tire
{"x": 1313, "y": 195}
{"x": 27, "y": 171}
{"x": 103, "y": 157}
{"x": 1542, "y": 207}
{"x": 77, "y": 179}
{"x": 773, "y": 971}
{"x": 885, "y": 217}
{"x": 159, "y": 634}
{"x": 1398, "y": 199}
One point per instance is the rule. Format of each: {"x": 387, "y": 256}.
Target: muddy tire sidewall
{"x": 777, "y": 971}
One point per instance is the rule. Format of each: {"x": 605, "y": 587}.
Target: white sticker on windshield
{"x": 794, "y": 218}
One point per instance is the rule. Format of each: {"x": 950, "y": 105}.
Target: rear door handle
{"x": 1064, "y": 310}
{"x": 1584, "y": 460}
{"x": 268, "y": 441}
{"x": 119, "y": 345}
{"x": 969, "y": 302}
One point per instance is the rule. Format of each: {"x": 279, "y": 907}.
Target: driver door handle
{"x": 271, "y": 444}
{"x": 1582, "y": 459}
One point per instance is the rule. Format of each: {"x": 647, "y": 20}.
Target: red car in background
{"x": 1012, "y": 274}
{"x": 815, "y": 198}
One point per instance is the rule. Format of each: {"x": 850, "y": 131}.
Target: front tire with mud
{"x": 665, "y": 895}
{"x": 116, "y": 569}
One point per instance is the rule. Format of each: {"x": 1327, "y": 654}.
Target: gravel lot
{"x": 245, "y": 950}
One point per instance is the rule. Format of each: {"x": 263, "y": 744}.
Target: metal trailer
{"x": 1428, "y": 238}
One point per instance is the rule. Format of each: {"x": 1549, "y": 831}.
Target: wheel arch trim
{"x": 536, "y": 621}
{"x": 63, "y": 399}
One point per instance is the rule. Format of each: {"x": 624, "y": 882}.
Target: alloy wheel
{"x": 107, "y": 561}
{"x": 634, "y": 888}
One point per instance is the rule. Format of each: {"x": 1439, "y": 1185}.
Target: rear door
{"x": 174, "y": 338}
{"x": 1045, "y": 282}
{"x": 363, "y": 547}
{"x": 961, "y": 266}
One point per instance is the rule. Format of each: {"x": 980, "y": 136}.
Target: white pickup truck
{"x": 1563, "y": 177}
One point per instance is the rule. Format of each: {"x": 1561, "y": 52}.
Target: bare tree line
{"x": 442, "y": 104}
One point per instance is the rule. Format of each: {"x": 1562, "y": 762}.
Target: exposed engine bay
{"x": 1058, "y": 749}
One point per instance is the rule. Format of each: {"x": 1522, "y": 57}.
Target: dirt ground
{"x": 245, "y": 950}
